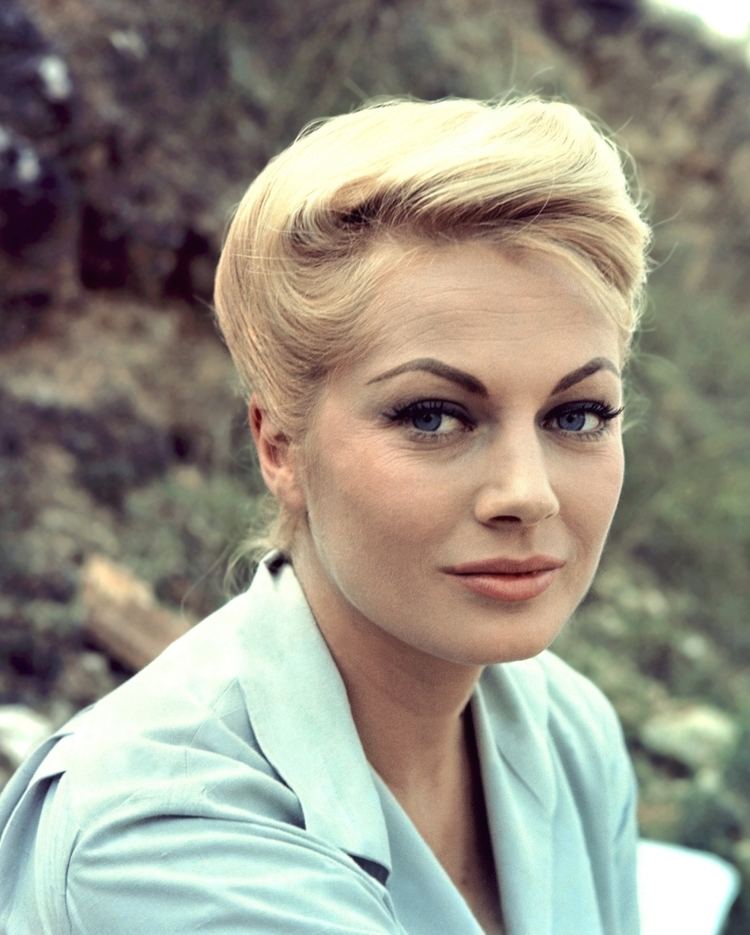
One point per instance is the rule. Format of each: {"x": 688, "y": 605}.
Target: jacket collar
{"x": 302, "y": 720}
{"x": 517, "y": 776}
{"x": 516, "y": 695}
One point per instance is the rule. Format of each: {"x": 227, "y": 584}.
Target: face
{"x": 459, "y": 481}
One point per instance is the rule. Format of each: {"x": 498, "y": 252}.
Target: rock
{"x": 113, "y": 449}
{"x": 38, "y": 235}
{"x": 122, "y": 615}
{"x": 38, "y": 205}
{"x": 21, "y": 729}
{"x": 575, "y": 21}
{"x": 156, "y": 146}
{"x": 698, "y": 736}
{"x": 86, "y": 676}
{"x": 38, "y": 94}
{"x": 29, "y": 194}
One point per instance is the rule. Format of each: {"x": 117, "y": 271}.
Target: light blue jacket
{"x": 224, "y": 790}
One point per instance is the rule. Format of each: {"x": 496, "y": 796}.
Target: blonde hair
{"x": 300, "y": 266}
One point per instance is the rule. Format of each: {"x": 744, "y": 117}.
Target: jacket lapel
{"x": 302, "y": 720}
{"x": 520, "y": 790}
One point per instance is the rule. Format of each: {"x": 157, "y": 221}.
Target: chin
{"x": 514, "y": 632}
{"x": 515, "y": 652}
{"x": 497, "y": 648}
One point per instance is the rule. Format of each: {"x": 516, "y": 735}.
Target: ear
{"x": 276, "y": 457}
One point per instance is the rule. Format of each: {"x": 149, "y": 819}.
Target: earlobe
{"x": 275, "y": 456}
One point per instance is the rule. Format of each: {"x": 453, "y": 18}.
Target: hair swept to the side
{"x": 300, "y": 263}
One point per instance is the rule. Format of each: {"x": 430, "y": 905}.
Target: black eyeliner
{"x": 597, "y": 406}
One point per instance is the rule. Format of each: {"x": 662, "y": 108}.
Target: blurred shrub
{"x": 685, "y": 512}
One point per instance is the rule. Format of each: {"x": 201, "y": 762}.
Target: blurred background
{"x": 127, "y": 133}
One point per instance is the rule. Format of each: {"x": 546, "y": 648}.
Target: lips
{"x": 507, "y": 566}
{"x": 508, "y": 579}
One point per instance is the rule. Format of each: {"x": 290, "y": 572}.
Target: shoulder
{"x": 176, "y": 738}
{"x": 158, "y": 808}
{"x": 176, "y": 733}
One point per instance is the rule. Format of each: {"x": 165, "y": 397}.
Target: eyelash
{"x": 598, "y": 407}
{"x": 402, "y": 415}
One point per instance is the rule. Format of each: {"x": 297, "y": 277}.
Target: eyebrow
{"x": 473, "y": 385}
{"x": 580, "y": 373}
{"x": 440, "y": 369}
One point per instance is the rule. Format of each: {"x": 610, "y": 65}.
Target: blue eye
{"x": 427, "y": 421}
{"x": 587, "y": 419}
{"x": 432, "y": 418}
{"x": 572, "y": 421}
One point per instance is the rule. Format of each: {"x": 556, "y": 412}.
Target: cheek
{"x": 591, "y": 497}
{"x": 386, "y": 498}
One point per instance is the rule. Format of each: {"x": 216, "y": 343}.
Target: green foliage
{"x": 181, "y": 533}
{"x": 686, "y": 506}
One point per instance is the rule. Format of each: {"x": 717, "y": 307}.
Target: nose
{"x": 517, "y": 487}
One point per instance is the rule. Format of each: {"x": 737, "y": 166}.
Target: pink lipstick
{"x": 507, "y": 579}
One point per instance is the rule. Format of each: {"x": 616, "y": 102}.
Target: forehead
{"x": 477, "y": 301}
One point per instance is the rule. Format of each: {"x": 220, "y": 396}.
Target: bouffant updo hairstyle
{"x": 323, "y": 224}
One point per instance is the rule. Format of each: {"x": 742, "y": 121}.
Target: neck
{"x": 411, "y": 728}
{"x": 407, "y": 704}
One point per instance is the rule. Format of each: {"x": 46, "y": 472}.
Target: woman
{"x": 431, "y": 306}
